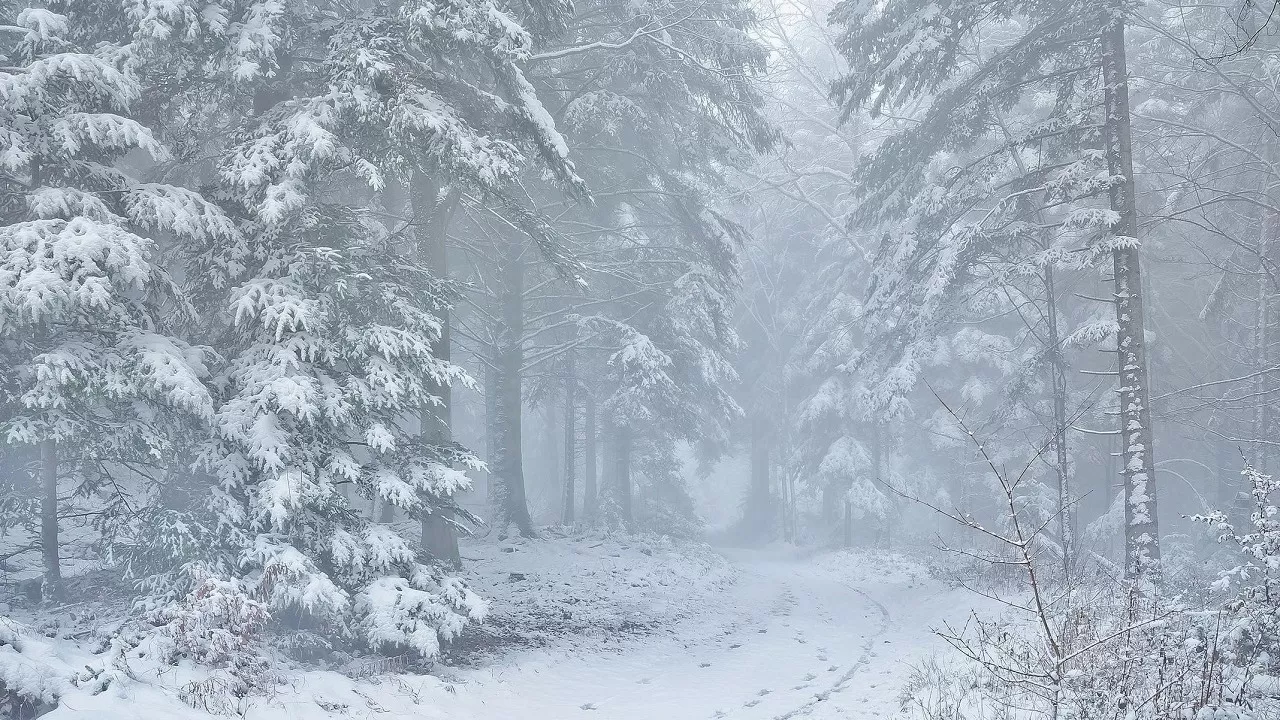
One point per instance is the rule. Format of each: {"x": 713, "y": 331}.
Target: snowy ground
{"x": 602, "y": 628}
{"x": 826, "y": 637}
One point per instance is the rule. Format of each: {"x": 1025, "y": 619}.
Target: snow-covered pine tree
{"x": 95, "y": 373}
{"x": 1194, "y": 112}
{"x": 675, "y": 107}
{"x": 805, "y": 270}
{"x": 327, "y": 312}
{"x": 955, "y": 193}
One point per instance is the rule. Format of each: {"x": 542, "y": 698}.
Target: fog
{"x": 728, "y": 358}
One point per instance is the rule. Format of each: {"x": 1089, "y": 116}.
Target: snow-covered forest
{"x": 623, "y": 359}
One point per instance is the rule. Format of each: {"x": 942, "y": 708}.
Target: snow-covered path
{"x": 792, "y": 638}
{"x": 761, "y": 636}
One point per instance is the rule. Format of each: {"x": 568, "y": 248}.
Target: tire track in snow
{"x": 863, "y": 660}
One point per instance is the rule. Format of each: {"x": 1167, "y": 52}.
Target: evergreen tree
{"x": 953, "y": 189}
{"x": 95, "y": 372}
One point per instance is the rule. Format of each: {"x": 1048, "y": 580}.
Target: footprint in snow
{"x": 822, "y": 658}
{"x": 810, "y": 676}
{"x": 762, "y": 693}
{"x": 704, "y": 664}
{"x": 833, "y": 668}
{"x": 588, "y": 706}
{"x": 644, "y": 681}
{"x": 751, "y": 703}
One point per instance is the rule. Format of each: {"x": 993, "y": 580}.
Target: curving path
{"x": 793, "y": 638}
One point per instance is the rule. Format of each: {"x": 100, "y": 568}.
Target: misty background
{"x": 302, "y": 301}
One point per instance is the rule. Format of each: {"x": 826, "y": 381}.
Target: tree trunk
{"x": 877, "y": 453}
{"x": 590, "y": 502}
{"x": 848, "y": 522}
{"x": 49, "y": 520}
{"x": 830, "y": 499}
{"x": 1142, "y": 536}
{"x": 1058, "y": 373}
{"x": 1261, "y": 345}
{"x": 1225, "y": 490}
{"x": 622, "y": 471}
{"x": 513, "y": 503}
{"x": 492, "y": 486}
{"x": 570, "y": 438}
{"x": 550, "y": 447}
{"x": 1058, "y": 368}
{"x": 431, "y": 213}
{"x": 388, "y": 513}
{"x": 759, "y": 502}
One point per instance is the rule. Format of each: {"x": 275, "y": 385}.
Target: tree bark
{"x": 1142, "y": 536}
{"x": 49, "y": 520}
{"x": 1058, "y": 368}
{"x": 1058, "y": 373}
{"x": 590, "y": 502}
{"x": 848, "y": 522}
{"x": 570, "y": 438}
{"x": 622, "y": 471}
{"x": 492, "y": 486}
{"x": 513, "y": 503}
{"x": 759, "y": 501}
{"x": 431, "y": 213}
{"x": 1261, "y": 346}
{"x": 829, "y": 502}
{"x": 877, "y": 454}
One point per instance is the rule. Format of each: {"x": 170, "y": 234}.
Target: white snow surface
{"x": 619, "y": 628}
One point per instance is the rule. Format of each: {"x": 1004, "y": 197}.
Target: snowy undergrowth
{"x": 586, "y": 590}
{"x": 869, "y": 568}
{"x": 587, "y": 586}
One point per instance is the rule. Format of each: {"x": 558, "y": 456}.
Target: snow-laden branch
{"x": 639, "y": 34}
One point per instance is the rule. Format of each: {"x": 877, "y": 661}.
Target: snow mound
{"x": 871, "y": 568}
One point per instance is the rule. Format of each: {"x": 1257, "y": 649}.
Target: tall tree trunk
{"x": 1058, "y": 368}
{"x": 877, "y": 454}
{"x": 1110, "y": 488}
{"x": 1261, "y": 345}
{"x": 493, "y": 488}
{"x": 431, "y": 213}
{"x": 1142, "y": 533}
{"x": 570, "y": 438}
{"x": 513, "y": 503}
{"x": 848, "y": 522}
{"x": 49, "y": 520}
{"x": 550, "y": 446}
{"x": 1222, "y": 461}
{"x": 830, "y": 499}
{"x": 622, "y": 471}
{"x": 1058, "y": 372}
{"x": 590, "y": 501}
{"x": 759, "y": 502}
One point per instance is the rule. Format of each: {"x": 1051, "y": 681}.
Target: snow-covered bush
{"x": 1251, "y": 630}
{"x": 216, "y": 625}
{"x": 1100, "y": 652}
{"x": 28, "y": 687}
{"x": 1083, "y": 643}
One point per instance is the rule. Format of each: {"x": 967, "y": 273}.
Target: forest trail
{"x": 600, "y": 627}
{"x": 792, "y": 638}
